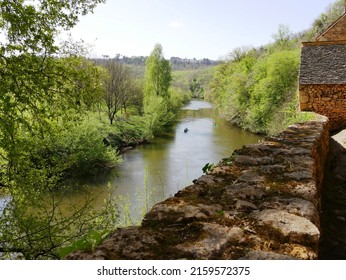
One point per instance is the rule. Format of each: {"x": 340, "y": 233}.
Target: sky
{"x": 191, "y": 28}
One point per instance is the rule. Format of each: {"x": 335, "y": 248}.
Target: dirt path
{"x": 333, "y": 218}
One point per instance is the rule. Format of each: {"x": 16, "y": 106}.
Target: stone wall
{"x": 327, "y": 100}
{"x": 261, "y": 203}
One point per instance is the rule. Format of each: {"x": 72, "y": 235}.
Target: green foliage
{"x": 34, "y": 104}
{"x": 121, "y": 89}
{"x": 178, "y": 98}
{"x": 284, "y": 39}
{"x": 160, "y": 102}
{"x": 230, "y": 87}
{"x": 275, "y": 82}
{"x": 39, "y": 221}
{"x": 157, "y": 74}
{"x": 195, "y": 81}
{"x": 208, "y": 167}
{"x": 126, "y": 132}
{"x": 45, "y": 90}
{"x": 196, "y": 89}
{"x": 40, "y": 82}
{"x": 158, "y": 114}
{"x": 41, "y": 85}
{"x": 161, "y": 112}
{"x": 82, "y": 150}
{"x": 257, "y": 87}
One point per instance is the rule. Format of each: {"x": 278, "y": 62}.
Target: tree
{"x": 284, "y": 39}
{"x": 40, "y": 83}
{"x": 237, "y": 54}
{"x": 118, "y": 86}
{"x": 121, "y": 89}
{"x": 157, "y": 74}
{"x": 133, "y": 95}
{"x": 196, "y": 89}
{"x": 43, "y": 227}
{"x": 44, "y": 89}
{"x": 156, "y": 101}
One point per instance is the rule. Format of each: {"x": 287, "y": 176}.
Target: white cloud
{"x": 176, "y": 24}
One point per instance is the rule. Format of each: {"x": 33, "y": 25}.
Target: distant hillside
{"x": 177, "y": 63}
{"x": 188, "y": 64}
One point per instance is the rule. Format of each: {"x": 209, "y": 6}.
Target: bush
{"x": 126, "y": 132}
{"x": 275, "y": 84}
{"x": 75, "y": 150}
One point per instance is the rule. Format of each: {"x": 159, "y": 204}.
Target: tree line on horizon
{"x": 176, "y": 63}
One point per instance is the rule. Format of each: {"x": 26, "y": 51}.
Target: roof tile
{"x": 323, "y": 64}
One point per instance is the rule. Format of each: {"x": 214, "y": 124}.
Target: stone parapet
{"x": 261, "y": 203}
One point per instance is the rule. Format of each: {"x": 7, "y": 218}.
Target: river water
{"x": 152, "y": 172}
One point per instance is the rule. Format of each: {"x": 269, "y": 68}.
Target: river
{"x": 152, "y": 172}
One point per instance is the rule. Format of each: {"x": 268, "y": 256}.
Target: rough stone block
{"x": 297, "y": 229}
